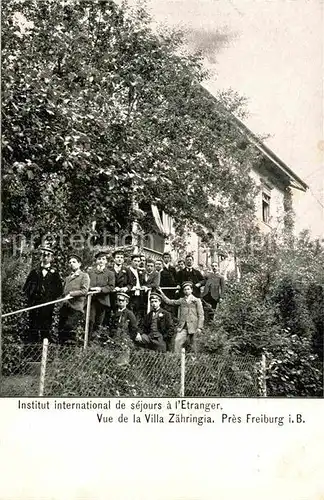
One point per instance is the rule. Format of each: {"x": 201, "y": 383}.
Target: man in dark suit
{"x": 157, "y": 326}
{"x": 168, "y": 280}
{"x": 43, "y": 284}
{"x": 135, "y": 279}
{"x": 214, "y": 288}
{"x": 168, "y": 273}
{"x": 124, "y": 327}
{"x": 102, "y": 281}
{"x": 189, "y": 273}
{"x": 119, "y": 271}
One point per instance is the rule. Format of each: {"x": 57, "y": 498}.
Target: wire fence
{"x": 119, "y": 370}
{"x": 106, "y": 368}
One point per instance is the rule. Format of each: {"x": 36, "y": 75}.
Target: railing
{"x": 174, "y": 375}
{"x": 88, "y": 308}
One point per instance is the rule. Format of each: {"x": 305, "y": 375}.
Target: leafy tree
{"x": 100, "y": 110}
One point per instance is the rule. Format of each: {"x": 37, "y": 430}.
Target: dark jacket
{"x": 168, "y": 277}
{"x": 164, "y": 324}
{"x": 152, "y": 280}
{"x": 214, "y": 286}
{"x": 131, "y": 279}
{"x": 120, "y": 277}
{"x": 39, "y": 289}
{"x": 192, "y": 275}
{"x": 124, "y": 324}
{"x": 106, "y": 281}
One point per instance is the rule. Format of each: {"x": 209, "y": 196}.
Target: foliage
{"x": 277, "y": 309}
{"x": 99, "y": 110}
{"x": 243, "y": 324}
{"x": 13, "y": 274}
{"x": 225, "y": 375}
{"x": 292, "y": 368}
{"x": 98, "y": 372}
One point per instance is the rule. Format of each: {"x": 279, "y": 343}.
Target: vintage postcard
{"x": 162, "y": 251}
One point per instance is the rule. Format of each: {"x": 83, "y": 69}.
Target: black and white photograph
{"x": 162, "y": 199}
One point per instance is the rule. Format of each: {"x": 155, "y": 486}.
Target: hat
{"x": 75, "y": 256}
{"x": 123, "y": 294}
{"x": 46, "y": 249}
{"x": 100, "y": 253}
{"x": 155, "y": 294}
{"x": 187, "y": 283}
{"x": 135, "y": 255}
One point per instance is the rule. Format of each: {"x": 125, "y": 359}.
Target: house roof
{"x": 282, "y": 169}
{"x": 293, "y": 179}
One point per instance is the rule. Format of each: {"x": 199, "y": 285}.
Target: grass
{"x": 19, "y": 386}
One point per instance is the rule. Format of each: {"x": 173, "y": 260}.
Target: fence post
{"x": 87, "y": 322}
{"x": 148, "y": 301}
{"x": 263, "y": 376}
{"x": 183, "y": 372}
{"x": 43, "y": 368}
{"x": 0, "y": 356}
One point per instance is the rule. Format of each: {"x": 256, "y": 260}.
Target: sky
{"x": 275, "y": 59}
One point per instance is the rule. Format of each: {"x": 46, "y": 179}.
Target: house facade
{"x": 275, "y": 181}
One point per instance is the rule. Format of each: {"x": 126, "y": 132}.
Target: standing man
{"x": 159, "y": 265}
{"x": 168, "y": 274}
{"x": 102, "y": 281}
{"x": 152, "y": 277}
{"x": 76, "y": 287}
{"x": 169, "y": 280}
{"x": 135, "y": 283}
{"x": 191, "y": 318}
{"x": 181, "y": 265}
{"x": 120, "y": 273}
{"x": 142, "y": 264}
{"x": 43, "y": 284}
{"x": 189, "y": 273}
{"x": 157, "y": 326}
{"x": 214, "y": 288}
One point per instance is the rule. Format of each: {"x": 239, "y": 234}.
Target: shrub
{"x": 292, "y": 368}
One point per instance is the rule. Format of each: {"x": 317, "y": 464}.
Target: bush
{"x": 281, "y": 325}
{"x": 292, "y": 368}
{"x": 243, "y": 325}
{"x": 289, "y": 298}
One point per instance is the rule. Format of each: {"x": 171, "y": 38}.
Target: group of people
{"x": 137, "y": 303}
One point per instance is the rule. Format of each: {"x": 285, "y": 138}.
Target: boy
{"x": 157, "y": 326}
{"x": 102, "y": 281}
{"x": 135, "y": 284}
{"x": 124, "y": 327}
{"x": 76, "y": 287}
{"x": 152, "y": 277}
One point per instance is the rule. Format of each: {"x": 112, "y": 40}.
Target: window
{"x": 266, "y": 208}
{"x": 155, "y": 242}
